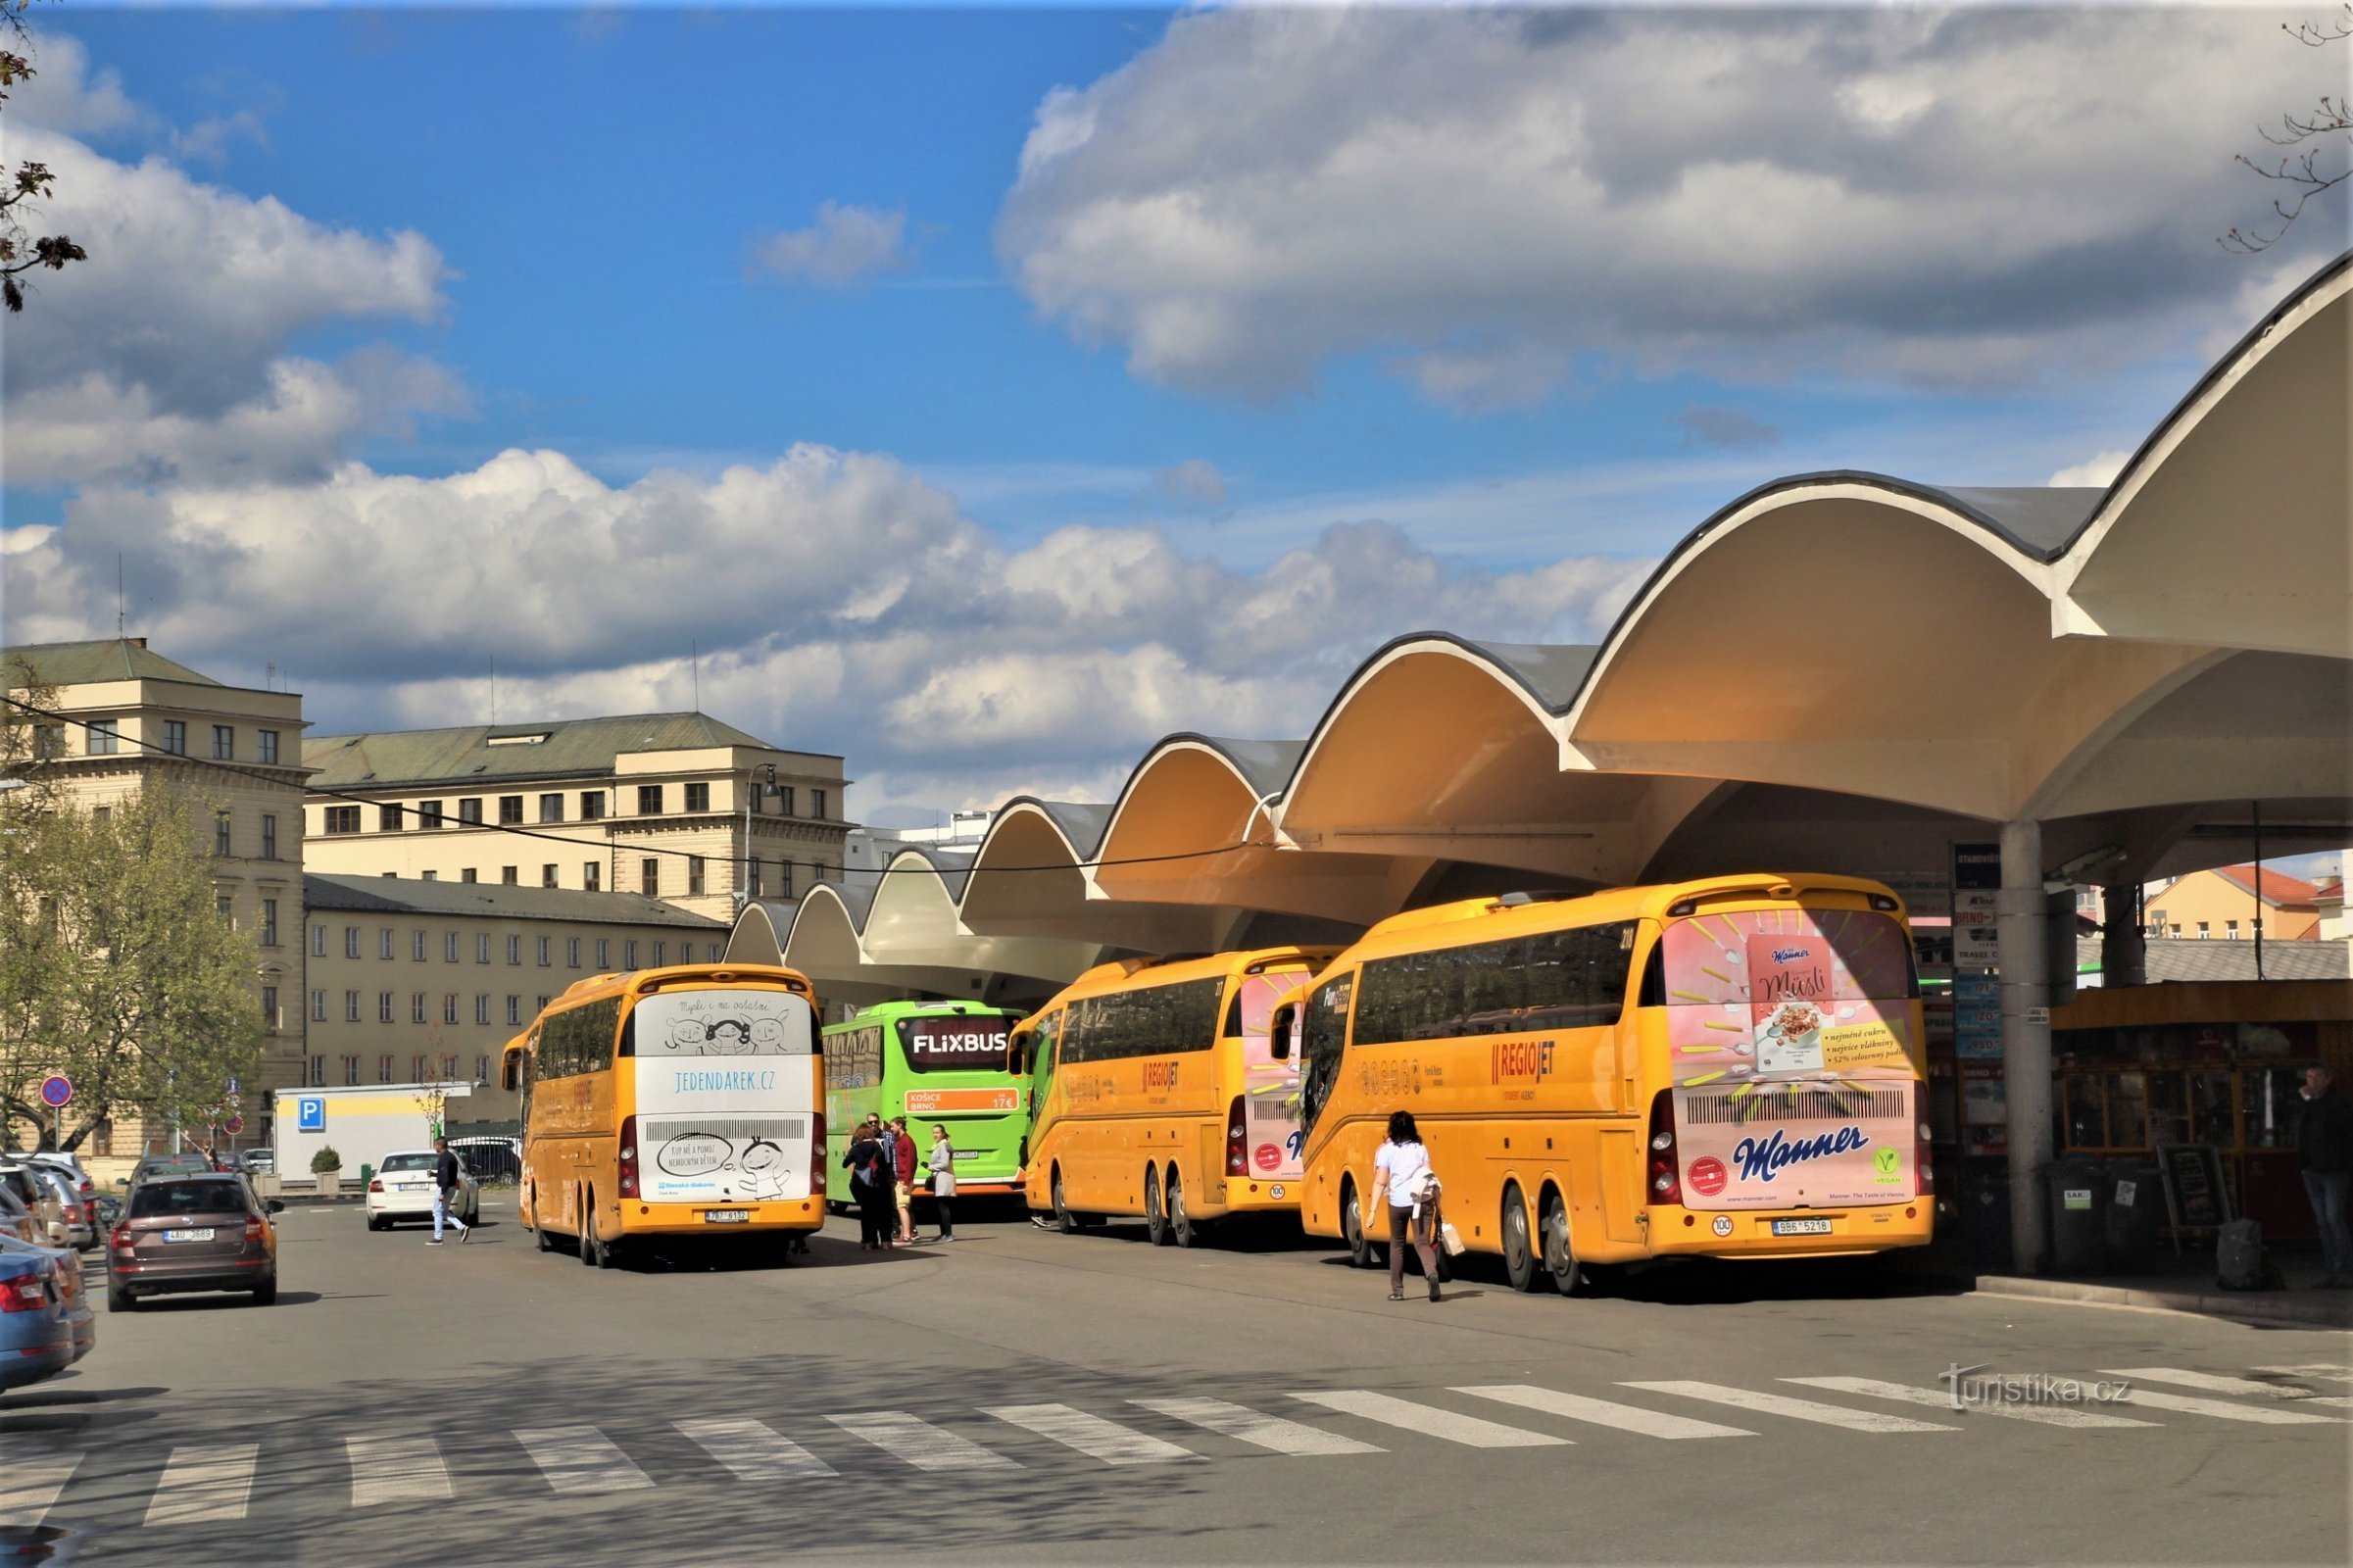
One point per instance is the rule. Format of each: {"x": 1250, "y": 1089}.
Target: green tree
{"x": 21, "y": 188}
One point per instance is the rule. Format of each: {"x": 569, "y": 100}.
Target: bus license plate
{"x": 188, "y": 1236}
{"x": 1801, "y": 1227}
{"x": 727, "y": 1217}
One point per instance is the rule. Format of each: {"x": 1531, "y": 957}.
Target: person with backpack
{"x": 1401, "y": 1173}
{"x": 902, "y": 1165}
{"x": 2325, "y": 1157}
{"x": 445, "y": 1194}
{"x": 870, "y": 1166}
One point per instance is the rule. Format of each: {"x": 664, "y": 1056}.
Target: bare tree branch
{"x": 2304, "y": 174}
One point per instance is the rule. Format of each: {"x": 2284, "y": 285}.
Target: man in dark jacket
{"x": 2324, "y": 1154}
{"x": 446, "y": 1193}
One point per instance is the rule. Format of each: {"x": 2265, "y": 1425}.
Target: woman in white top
{"x": 941, "y": 1164}
{"x": 1401, "y": 1172}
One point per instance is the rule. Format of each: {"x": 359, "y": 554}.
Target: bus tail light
{"x": 628, "y": 1156}
{"x": 816, "y": 1155}
{"x": 1664, "y": 1177}
{"x": 1925, "y": 1182}
{"x": 1237, "y": 1135}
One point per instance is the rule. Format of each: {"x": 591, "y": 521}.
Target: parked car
{"x": 80, "y": 1233}
{"x": 45, "y": 1326}
{"x": 187, "y": 1163}
{"x": 82, "y": 1318}
{"x": 16, "y": 1221}
{"x": 47, "y": 1205}
{"x": 402, "y": 1189}
{"x": 109, "y": 1210}
{"x": 200, "y": 1232}
{"x": 259, "y": 1161}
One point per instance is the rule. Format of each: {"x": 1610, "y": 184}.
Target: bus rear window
{"x": 960, "y": 1044}
{"x": 1787, "y": 993}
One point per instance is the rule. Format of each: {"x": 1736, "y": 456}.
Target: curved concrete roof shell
{"x": 1848, "y": 660}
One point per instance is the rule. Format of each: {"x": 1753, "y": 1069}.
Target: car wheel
{"x": 1156, "y": 1219}
{"x": 375, "y": 1222}
{"x": 1181, "y": 1228}
{"x": 265, "y": 1294}
{"x": 1519, "y": 1251}
{"x": 121, "y": 1301}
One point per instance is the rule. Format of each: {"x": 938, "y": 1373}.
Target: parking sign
{"x": 309, "y": 1114}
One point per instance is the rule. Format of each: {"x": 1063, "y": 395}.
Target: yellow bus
{"x": 673, "y": 1102}
{"x": 1154, "y": 1091}
{"x": 1729, "y": 1068}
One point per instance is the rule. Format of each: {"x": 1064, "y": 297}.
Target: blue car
{"x": 46, "y": 1324}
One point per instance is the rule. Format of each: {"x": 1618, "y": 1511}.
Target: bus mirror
{"x": 511, "y": 1071}
{"x": 1017, "y": 1055}
{"x": 1279, "y": 1028}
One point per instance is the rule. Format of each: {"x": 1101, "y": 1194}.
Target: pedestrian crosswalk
{"x": 217, "y": 1483}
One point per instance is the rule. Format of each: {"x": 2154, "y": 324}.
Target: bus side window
{"x": 1654, "y": 992}
{"x": 1017, "y": 1055}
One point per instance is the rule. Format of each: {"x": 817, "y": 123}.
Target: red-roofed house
{"x": 2220, "y": 906}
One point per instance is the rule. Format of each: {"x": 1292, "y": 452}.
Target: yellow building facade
{"x": 2220, "y": 906}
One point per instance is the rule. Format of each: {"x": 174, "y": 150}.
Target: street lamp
{"x": 753, "y": 787}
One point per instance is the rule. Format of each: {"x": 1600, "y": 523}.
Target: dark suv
{"x": 192, "y": 1233}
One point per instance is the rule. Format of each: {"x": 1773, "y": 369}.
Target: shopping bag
{"x": 1452, "y": 1238}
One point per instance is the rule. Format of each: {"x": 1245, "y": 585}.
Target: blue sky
{"x": 1219, "y": 319}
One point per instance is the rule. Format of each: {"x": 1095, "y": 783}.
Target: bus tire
{"x": 1519, "y": 1247}
{"x": 547, "y": 1238}
{"x": 1351, "y": 1227}
{"x": 1182, "y": 1229}
{"x": 595, "y": 1251}
{"x": 1560, "y": 1257}
{"x": 1155, "y": 1218}
{"x": 1064, "y": 1220}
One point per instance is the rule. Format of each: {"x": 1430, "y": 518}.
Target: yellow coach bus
{"x": 671, "y": 1101}
{"x": 1731, "y": 1068}
{"x": 1154, "y": 1091}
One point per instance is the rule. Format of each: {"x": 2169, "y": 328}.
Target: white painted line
{"x": 206, "y": 1485}
{"x": 1090, "y": 1435}
{"x": 1246, "y": 1425}
{"x": 580, "y": 1461}
{"x": 2050, "y": 1415}
{"x": 919, "y": 1443}
{"x": 28, "y": 1487}
{"x": 2328, "y": 1371}
{"x": 396, "y": 1470}
{"x": 1429, "y": 1420}
{"x": 754, "y": 1451}
{"x": 1603, "y": 1413}
{"x": 2211, "y": 1381}
{"x": 1829, "y": 1416}
{"x": 2264, "y": 1416}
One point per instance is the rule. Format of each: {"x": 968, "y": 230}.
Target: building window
{"x": 224, "y": 904}
{"x": 384, "y": 1068}
{"x": 514, "y": 949}
{"x": 511, "y": 876}
{"x": 604, "y": 953}
{"x": 384, "y": 940}
{"x": 48, "y": 740}
{"x": 629, "y": 953}
{"x": 175, "y": 739}
{"x": 383, "y": 1007}
{"x": 482, "y": 947}
{"x": 546, "y": 951}
{"x": 817, "y": 804}
{"x": 105, "y": 736}
{"x": 510, "y": 810}
{"x": 571, "y": 953}
{"x": 550, "y": 808}
{"x": 694, "y": 874}
{"x": 351, "y": 941}
{"x": 649, "y": 876}
{"x": 268, "y": 837}
{"x": 449, "y": 947}
{"x": 751, "y": 878}
{"x": 784, "y": 800}
{"x": 449, "y": 1007}
{"x": 697, "y": 797}
{"x": 2176, "y": 928}
{"x": 269, "y": 922}
{"x": 784, "y": 879}
{"x": 388, "y": 818}
{"x": 416, "y": 1006}
{"x": 220, "y": 838}
{"x": 2203, "y": 932}
{"x": 592, "y": 806}
{"x": 467, "y": 875}
{"x": 351, "y": 1071}
{"x": 318, "y": 1006}
{"x": 102, "y": 814}
{"x": 449, "y": 1069}
{"x": 481, "y": 1069}
{"x": 481, "y": 1006}
{"x": 343, "y": 819}
{"x": 543, "y": 1003}
{"x": 592, "y": 875}
{"x": 547, "y": 876}
{"x": 269, "y": 1008}
{"x": 430, "y": 876}
{"x": 649, "y": 800}
{"x": 469, "y": 810}
{"x": 266, "y": 745}
{"x": 417, "y": 947}
{"x": 662, "y": 954}
{"x": 318, "y": 1072}
{"x": 351, "y": 1006}
{"x": 416, "y": 1070}
{"x": 515, "y": 1009}
{"x": 2231, "y": 929}
{"x": 428, "y": 813}
{"x": 224, "y": 742}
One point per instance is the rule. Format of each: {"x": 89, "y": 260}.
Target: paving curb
{"x": 2309, "y": 1310}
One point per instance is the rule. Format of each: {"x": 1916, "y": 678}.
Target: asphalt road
{"x": 1021, "y": 1395}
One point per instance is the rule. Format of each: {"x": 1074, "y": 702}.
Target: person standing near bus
{"x": 1401, "y": 1172}
{"x": 903, "y": 1162}
{"x": 943, "y": 1179}
{"x": 445, "y": 1194}
{"x": 869, "y": 1165}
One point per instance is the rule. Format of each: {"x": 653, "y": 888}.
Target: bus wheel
{"x": 1064, "y": 1220}
{"x": 1156, "y": 1219}
{"x": 1560, "y": 1259}
{"x": 547, "y": 1238}
{"x": 1351, "y": 1227}
{"x": 594, "y": 1252}
{"x": 1519, "y": 1257}
{"x": 1181, "y": 1228}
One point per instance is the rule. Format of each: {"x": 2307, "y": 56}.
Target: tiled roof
{"x": 2184, "y": 959}
{"x": 113, "y": 658}
{"x": 385, "y": 895}
{"x": 2278, "y": 888}
{"x": 571, "y": 746}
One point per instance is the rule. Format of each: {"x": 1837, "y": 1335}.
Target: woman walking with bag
{"x": 943, "y": 1179}
{"x": 1401, "y": 1173}
{"x": 870, "y": 1181}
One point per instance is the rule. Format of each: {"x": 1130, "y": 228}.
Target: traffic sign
{"x": 233, "y": 1126}
{"x": 57, "y": 1090}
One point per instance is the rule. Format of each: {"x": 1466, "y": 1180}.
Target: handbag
{"x": 1451, "y": 1238}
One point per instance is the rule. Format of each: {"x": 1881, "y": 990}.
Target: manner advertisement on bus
{"x": 724, "y": 1094}
{"x": 1270, "y": 1096}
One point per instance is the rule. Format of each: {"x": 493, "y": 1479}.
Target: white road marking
{"x": 2211, "y": 1381}
{"x": 205, "y": 1485}
{"x": 1605, "y": 1413}
{"x": 2271, "y": 1415}
{"x": 2331, "y": 1371}
{"x": 580, "y": 1461}
{"x": 754, "y": 1451}
{"x": 1090, "y": 1435}
{"x": 919, "y": 1443}
{"x": 1429, "y": 1420}
{"x": 1263, "y": 1431}
{"x": 1829, "y": 1416}
{"x": 1941, "y": 1399}
{"x": 28, "y": 1487}
{"x": 396, "y": 1470}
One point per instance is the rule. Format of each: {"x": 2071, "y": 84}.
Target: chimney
{"x": 138, "y": 642}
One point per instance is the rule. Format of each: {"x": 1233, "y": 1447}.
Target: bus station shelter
{"x": 1840, "y": 672}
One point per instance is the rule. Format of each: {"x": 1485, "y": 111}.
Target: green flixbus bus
{"x": 936, "y": 1063}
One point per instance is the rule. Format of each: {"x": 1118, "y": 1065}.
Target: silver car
{"x": 81, "y": 1225}
{"x": 46, "y": 1203}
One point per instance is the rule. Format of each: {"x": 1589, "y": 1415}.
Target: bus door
{"x": 1270, "y": 1088}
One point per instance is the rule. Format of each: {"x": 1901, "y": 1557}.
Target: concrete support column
{"x": 2021, "y": 918}
{"x": 2124, "y": 946}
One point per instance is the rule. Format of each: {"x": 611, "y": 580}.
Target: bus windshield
{"x": 1788, "y": 993}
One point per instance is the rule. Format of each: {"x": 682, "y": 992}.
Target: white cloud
{"x": 66, "y": 95}
{"x": 843, "y": 245}
{"x": 1971, "y": 197}
{"x": 2100, "y": 470}
{"x": 1194, "y": 482}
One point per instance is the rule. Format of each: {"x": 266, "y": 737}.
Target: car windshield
{"x": 187, "y": 1197}
{"x": 393, "y": 1162}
